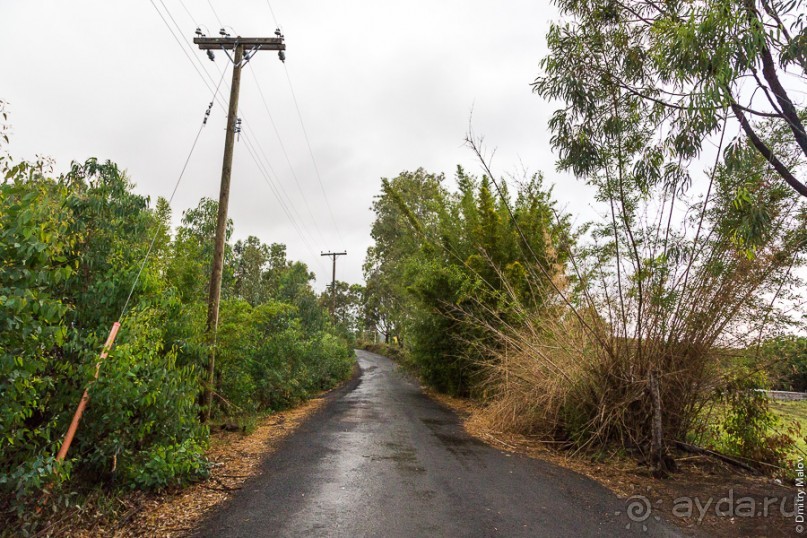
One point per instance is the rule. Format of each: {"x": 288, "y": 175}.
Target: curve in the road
{"x": 382, "y": 459}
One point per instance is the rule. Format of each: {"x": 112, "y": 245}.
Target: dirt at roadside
{"x": 235, "y": 457}
{"x": 706, "y": 497}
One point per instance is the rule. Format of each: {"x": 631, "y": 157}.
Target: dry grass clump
{"x": 534, "y": 378}
{"x": 636, "y": 379}
{"x": 653, "y": 313}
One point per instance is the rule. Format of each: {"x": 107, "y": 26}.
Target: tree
{"x": 276, "y": 266}
{"x": 189, "y": 270}
{"x": 676, "y": 69}
{"x": 669, "y": 276}
{"x": 381, "y": 303}
{"x": 443, "y": 264}
{"x": 71, "y": 249}
{"x": 250, "y": 258}
{"x": 348, "y": 313}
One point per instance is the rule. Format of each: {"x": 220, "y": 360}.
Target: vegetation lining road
{"x": 698, "y": 477}
{"x": 71, "y": 247}
{"x": 642, "y": 331}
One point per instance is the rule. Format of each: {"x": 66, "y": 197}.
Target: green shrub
{"x": 786, "y": 360}
{"x": 162, "y": 466}
{"x": 70, "y": 249}
{"x": 143, "y": 404}
{"x": 748, "y": 426}
{"x": 269, "y": 360}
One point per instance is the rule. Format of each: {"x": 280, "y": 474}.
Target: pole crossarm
{"x": 230, "y": 43}
{"x": 333, "y": 256}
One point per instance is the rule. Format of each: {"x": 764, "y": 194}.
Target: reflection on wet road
{"x": 382, "y": 459}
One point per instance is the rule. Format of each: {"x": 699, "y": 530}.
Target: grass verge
{"x": 793, "y": 414}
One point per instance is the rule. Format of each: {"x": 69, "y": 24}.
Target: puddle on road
{"x": 454, "y": 440}
{"x": 405, "y": 458}
{"x": 437, "y": 422}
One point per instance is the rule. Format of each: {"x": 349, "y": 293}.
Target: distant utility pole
{"x": 243, "y": 49}
{"x": 333, "y": 278}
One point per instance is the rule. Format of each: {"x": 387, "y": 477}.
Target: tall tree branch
{"x": 766, "y": 152}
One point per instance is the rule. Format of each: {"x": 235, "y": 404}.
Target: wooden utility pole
{"x": 333, "y": 255}
{"x": 243, "y": 49}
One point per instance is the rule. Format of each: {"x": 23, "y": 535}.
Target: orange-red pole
{"x": 82, "y": 404}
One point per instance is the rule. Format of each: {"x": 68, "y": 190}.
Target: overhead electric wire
{"x": 311, "y": 153}
{"x": 278, "y": 191}
{"x": 207, "y": 79}
{"x": 257, "y": 143}
{"x": 189, "y": 13}
{"x": 170, "y": 199}
{"x": 305, "y": 135}
{"x": 319, "y": 179}
{"x": 272, "y": 12}
{"x": 285, "y": 153}
{"x": 179, "y": 42}
{"x": 209, "y": 3}
{"x": 283, "y": 206}
{"x": 270, "y": 174}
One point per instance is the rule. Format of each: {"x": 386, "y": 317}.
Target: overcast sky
{"x": 382, "y": 87}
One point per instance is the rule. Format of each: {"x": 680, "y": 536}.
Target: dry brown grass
{"x": 697, "y": 476}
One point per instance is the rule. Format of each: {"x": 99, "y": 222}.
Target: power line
{"x": 272, "y": 11}
{"x": 285, "y": 153}
{"x": 261, "y": 150}
{"x": 179, "y": 42}
{"x": 277, "y": 189}
{"x": 170, "y": 199}
{"x": 311, "y": 153}
{"x": 207, "y": 79}
{"x": 209, "y": 3}
{"x": 270, "y": 173}
{"x": 305, "y": 134}
{"x": 265, "y": 166}
{"x": 189, "y": 13}
{"x": 308, "y": 144}
{"x": 283, "y": 205}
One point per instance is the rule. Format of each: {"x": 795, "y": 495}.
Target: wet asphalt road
{"x": 382, "y": 459}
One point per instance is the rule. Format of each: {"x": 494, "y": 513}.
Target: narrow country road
{"x": 382, "y": 459}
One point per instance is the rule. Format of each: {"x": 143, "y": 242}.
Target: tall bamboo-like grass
{"x": 665, "y": 290}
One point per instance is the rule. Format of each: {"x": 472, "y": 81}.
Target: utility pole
{"x": 333, "y": 255}
{"x": 243, "y": 49}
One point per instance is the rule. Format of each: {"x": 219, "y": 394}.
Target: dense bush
{"x": 785, "y": 358}
{"x": 740, "y": 421}
{"x": 445, "y": 261}
{"x": 71, "y": 247}
{"x": 269, "y": 359}
{"x": 616, "y": 338}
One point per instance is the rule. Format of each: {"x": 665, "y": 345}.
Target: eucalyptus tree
{"x": 678, "y": 274}
{"x": 678, "y": 69}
